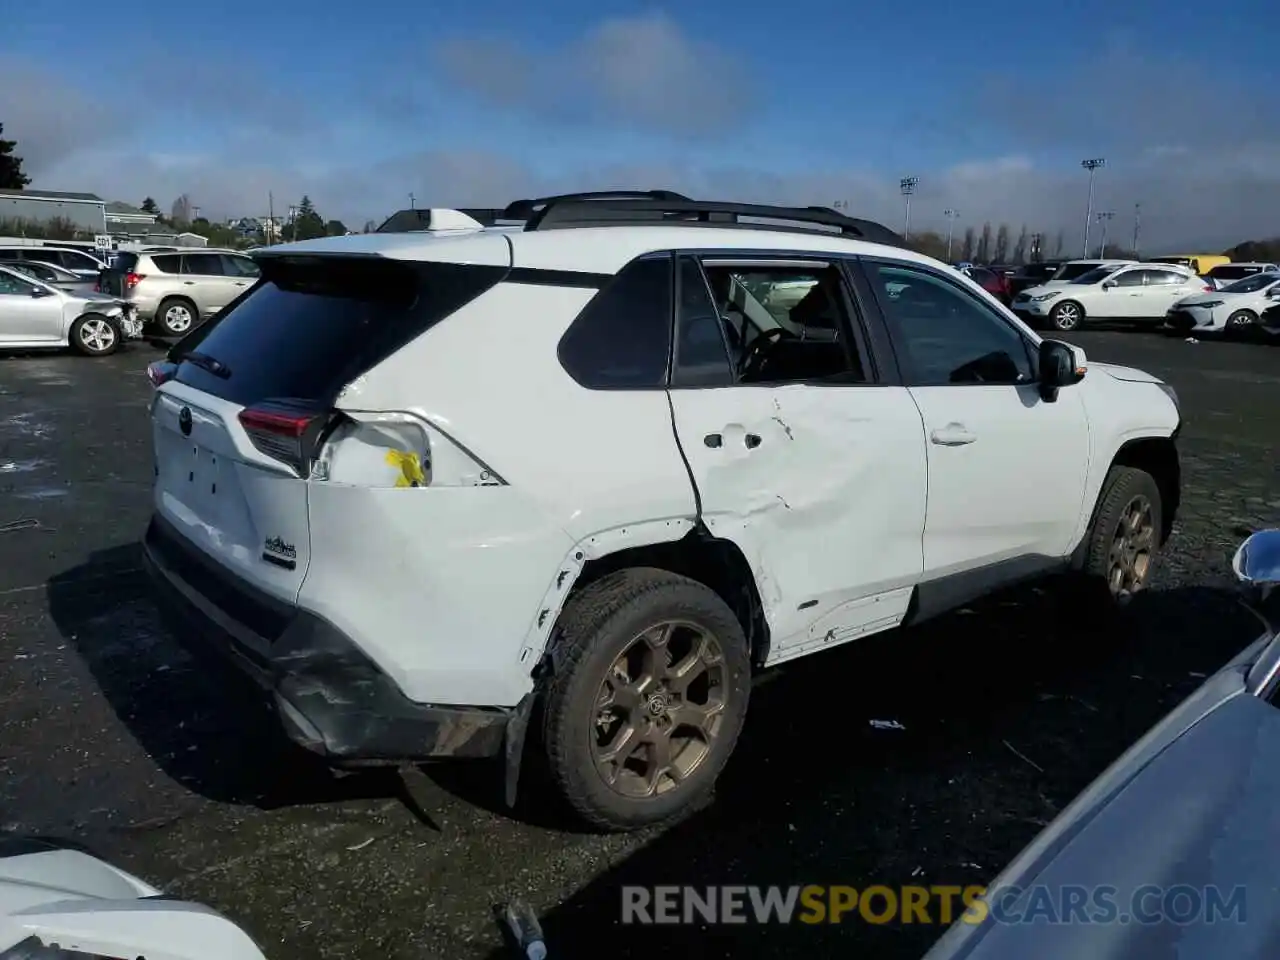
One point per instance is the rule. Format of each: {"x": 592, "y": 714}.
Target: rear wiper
{"x": 206, "y": 362}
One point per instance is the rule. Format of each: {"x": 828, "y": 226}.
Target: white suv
{"x": 611, "y": 462}
{"x": 1136, "y": 293}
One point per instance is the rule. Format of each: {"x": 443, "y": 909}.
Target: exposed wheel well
{"x": 1157, "y": 456}
{"x": 719, "y": 564}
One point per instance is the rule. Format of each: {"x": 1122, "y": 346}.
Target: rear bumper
{"x": 330, "y": 698}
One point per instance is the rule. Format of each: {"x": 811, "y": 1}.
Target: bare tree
{"x": 180, "y": 212}
{"x": 966, "y": 249}
{"x": 1020, "y": 248}
{"x": 984, "y": 244}
{"x": 1059, "y": 244}
{"x": 370, "y": 226}
{"x": 1002, "y": 244}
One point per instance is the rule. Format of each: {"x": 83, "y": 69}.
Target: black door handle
{"x": 713, "y": 440}
{"x": 752, "y": 440}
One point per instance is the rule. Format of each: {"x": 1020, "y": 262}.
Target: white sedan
{"x": 35, "y": 314}
{"x": 1132, "y": 293}
{"x": 1233, "y": 308}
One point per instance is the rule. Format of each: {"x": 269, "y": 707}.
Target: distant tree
{"x": 966, "y": 249}
{"x": 1059, "y": 245}
{"x": 307, "y": 224}
{"x": 149, "y": 206}
{"x": 983, "y": 254}
{"x": 1001, "y": 252}
{"x": 929, "y": 243}
{"x": 1115, "y": 251}
{"x": 369, "y": 227}
{"x": 11, "y": 175}
{"x": 335, "y": 228}
{"x": 1020, "y": 248}
{"x": 1264, "y": 251}
{"x": 180, "y": 212}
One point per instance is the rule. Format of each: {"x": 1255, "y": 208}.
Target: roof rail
{"x": 568, "y": 213}
{"x": 526, "y": 209}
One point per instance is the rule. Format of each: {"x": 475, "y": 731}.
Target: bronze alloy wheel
{"x": 659, "y": 710}
{"x": 1132, "y": 548}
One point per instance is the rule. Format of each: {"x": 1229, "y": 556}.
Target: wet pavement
{"x": 111, "y": 735}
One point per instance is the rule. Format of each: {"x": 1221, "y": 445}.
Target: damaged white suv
{"x": 608, "y": 461}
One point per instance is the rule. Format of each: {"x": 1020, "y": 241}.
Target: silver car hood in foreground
{"x": 54, "y": 895}
{"x": 1194, "y": 804}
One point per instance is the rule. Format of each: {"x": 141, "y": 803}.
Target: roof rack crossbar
{"x": 567, "y": 213}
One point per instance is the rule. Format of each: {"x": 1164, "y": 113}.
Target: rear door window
{"x": 168, "y": 263}
{"x": 313, "y": 326}
{"x": 202, "y": 264}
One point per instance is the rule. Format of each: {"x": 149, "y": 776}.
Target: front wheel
{"x": 95, "y": 335}
{"x": 1242, "y": 321}
{"x": 1126, "y": 534}
{"x": 1066, "y": 316}
{"x": 648, "y": 697}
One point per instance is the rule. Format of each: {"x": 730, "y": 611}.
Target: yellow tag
{"x": 410, "y": 468}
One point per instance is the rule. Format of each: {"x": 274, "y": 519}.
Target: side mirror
{"x": 1108, "y": 284}
{"x": 1061, "y": 365}
{"x": 38, "y": 292}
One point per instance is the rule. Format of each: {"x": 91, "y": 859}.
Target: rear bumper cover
{"x": 330, "y": 698}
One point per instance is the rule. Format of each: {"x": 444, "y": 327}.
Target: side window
{"x": 950, "y": 337}
{"x": 1131, "y": 278}
{"x": 202, "y": 264}
{"x": 1164, "y": 278}
{"x": 239, "y": 266}
{"x": 785, "y": 324}
{"x": 622, "y": 338}
{"x": 701, "y": 357}
{"x": 9, "y": 284}
{"x": 167, "y": 263}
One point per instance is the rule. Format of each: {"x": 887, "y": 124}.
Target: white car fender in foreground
{"x": 54, "y": 899}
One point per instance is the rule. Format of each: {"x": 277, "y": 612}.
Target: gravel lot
{"x": 111, "y": 735}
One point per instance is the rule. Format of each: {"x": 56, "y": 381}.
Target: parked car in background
{"x": 1201, "y": 263}
{"x": 177, "y": 291}
{"x": 60, "y": 277}
{"x": 1225, "y": 274}
{"x": 35, "y": 314}
{"x": 1137, "y": 293}
{"x": 77, "y": 261}
{"x": 1032, "y": 275}
{"x": 1231, "y": 309}
{"x": 1072, "y": 270}
{"x": 1167, "y": 854}
{"x": 992, "y": 281}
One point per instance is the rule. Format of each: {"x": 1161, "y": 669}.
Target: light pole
{"x": 908, "y": 186}
{"x": 1104, "y": 217}
{"x": 1092, "y": 166}
{"x": 952, "y": 216}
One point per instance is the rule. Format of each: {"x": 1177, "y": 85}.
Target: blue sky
{"x": 360, "y": 104}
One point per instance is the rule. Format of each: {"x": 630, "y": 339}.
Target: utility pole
{"x": 952, "y": 216}
{"x": 271, "y": 218}
{"x": 1137, "y": 227}
{"x": 1104, "y": 217}
{"x": 1092, "y": 166}
{"x": 908, "y": 186}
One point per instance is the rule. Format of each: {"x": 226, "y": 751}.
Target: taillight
{"x": 286, "y": 433}
{"x": 161, "y": 371}
{"x": 1209, "y": 288}
{"x": 131, "y": 280}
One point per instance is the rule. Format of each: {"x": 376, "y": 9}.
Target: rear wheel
{"x": 1125, "y": 536}
{"x": 648, "y": 696}
{"x": 1241, "y": 322}
{"x": 176, "y": 316}
{"x": 1066, "y": 316}
{"x": 95, "y": 335}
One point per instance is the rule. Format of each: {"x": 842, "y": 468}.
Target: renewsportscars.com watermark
{"x": 938, "y": 904}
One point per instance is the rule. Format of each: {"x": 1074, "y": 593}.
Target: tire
{"x": 177, "y": 316}
{"x": 1067, "y": 315}
{"x": 95, "y": 335}
{"x": 588, "y": 709}
{"x": 1115, "y": 567}
{"x": 1240, "y": 322}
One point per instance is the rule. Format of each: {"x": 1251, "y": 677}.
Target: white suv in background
{"x": 176, "y": 291}
{"x": 1234, "y": 308}
{"x": 1136, "y": 293}
{"x": 612, "y": 460}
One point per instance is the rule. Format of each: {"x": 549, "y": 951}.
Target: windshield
{"x": 1069, "y": 271}
{"x": 1095, "y": 275}
{"x": 1253, "y": 284}
{"x": 1233, "y": 272}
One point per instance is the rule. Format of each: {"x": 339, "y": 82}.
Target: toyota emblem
{"x": 184, "y": 421}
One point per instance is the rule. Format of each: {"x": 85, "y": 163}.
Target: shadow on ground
{"x": 198, "y": 719}
{"x": 1008, "y": 711}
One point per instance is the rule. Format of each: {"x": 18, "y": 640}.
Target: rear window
{"x": 312, "y": 325}
{"x": 1233, "y": 272}
{"x": 124, "y": 262}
